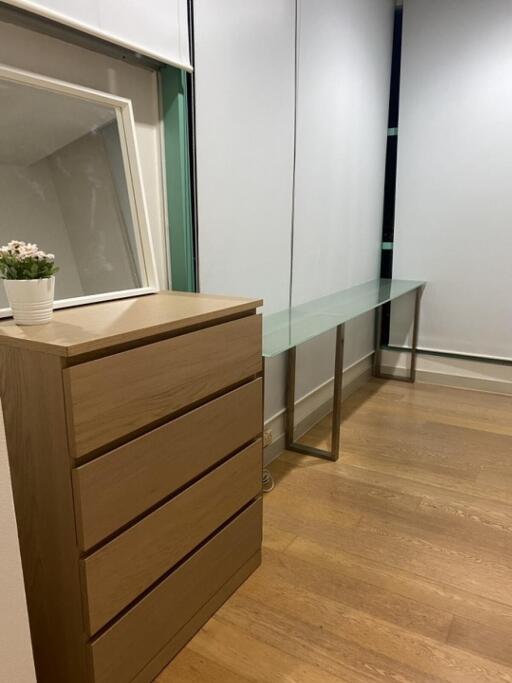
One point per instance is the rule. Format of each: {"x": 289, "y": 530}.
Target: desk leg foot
{"x": 377, "y": 359}
{"x": 290, "y": 444}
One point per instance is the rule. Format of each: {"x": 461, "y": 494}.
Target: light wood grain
{"x": 112, "y": 377}
{"x": 392, "y": 564}
{"x": 174, "y": 645}
{"x": 490, "y": 641}
{"x": 84, "y": 329}
{"x": 112, "y": 397}
{"x": 34, "y": 416}
{"x": 141, "y": 633}
{"x": 248, "y": 656}
{"x": 293, "y": 572}
{"x": 112, "y": 490}
{"x": 354, "y": 638}
{"x": 117, "y": 573}
{"x": 189, "y": 666}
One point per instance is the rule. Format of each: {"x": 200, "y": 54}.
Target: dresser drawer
{"x": 117, "y": 487}
{"x": 121, "y": 570}
{"x": 112, "y": 397}
{"x": 123, "y": 649}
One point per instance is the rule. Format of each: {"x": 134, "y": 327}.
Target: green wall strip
{"x": 177, "y": 171}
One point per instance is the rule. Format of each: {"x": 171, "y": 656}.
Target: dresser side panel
{"x": 34, "y": 413}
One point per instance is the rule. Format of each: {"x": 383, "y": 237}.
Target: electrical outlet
{"x": 267, "y": 437}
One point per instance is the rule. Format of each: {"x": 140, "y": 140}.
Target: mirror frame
{"x": 126, "y": 125}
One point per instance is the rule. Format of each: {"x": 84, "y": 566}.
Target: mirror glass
{"x": 63, "y": 185}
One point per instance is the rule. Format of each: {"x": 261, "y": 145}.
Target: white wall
{"x": 244, "y": 63}
{"x": 244, "y": 80}
{"x": 454, "y": 204}
{"x": 344, "y": 70}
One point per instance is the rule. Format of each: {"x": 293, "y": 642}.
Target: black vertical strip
{"x": 388, "y": 220}
{"x": 191, "y": 114}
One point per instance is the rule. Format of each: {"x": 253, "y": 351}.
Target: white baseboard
{"x": 462, "y": 373}
{"x": 314, "y": 406}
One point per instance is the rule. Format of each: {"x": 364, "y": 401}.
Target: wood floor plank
{"x": 355, "y": 490}
{"x": 488, "y": 641}
{"x": 496, "y": 482}
{"x": 420, "y": 589}
{"x": 189, "y": 667}
{"x": 483, "y": 411}
{"x": 318, "y": 488}
{"x": 291, "y": 575}
{"x": 429, "y": 556}
{"x": 444, "y": 480}
{"x": 237, "y": 649}
{"x": 393, "y": 564}
{"x": 451, "y": 530}
{"x": 476, "y": 508}
{"x": 439, "y": 443}
{"x": 306, "y": 637}
{"x": 333, "y": 628}
{"x": 277, "y": 539}
{"x": 403, "y": 545}
{"x": 294, "y": 514}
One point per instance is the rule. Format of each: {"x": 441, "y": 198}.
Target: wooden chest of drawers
{"x": 134, "y": 437}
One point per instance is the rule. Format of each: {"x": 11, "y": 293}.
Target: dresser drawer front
{"x": 123, "y": 649}
{"x": 117, "y": 487}
{"x": 112, "y": 397}
{"x": 120, "y": 571}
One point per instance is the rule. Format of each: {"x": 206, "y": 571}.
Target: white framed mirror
{"x": 70, "y": 181}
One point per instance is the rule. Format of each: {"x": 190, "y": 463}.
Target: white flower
{"x": 23, "y": 251}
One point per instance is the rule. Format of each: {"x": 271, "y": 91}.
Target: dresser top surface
{"x": 83, "y": 329}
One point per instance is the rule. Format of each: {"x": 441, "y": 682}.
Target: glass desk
{"x": 285, "y": 330}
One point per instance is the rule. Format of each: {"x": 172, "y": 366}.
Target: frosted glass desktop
{"x": 285, "y": 330}
{"x": 298, "y": 324}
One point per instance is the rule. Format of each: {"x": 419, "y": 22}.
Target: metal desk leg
{"x": 290, "y": 443}
{"x": 267, "y": 478}
{"x": 377, "y": 359}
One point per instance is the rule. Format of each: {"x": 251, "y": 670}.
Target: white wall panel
{"x": 245, "y": 61}
{"x": 454, "y": 204}
{"x": 344, "y": 70}
{"x": 158, "y": 28}
{"x": 244, "y": 79}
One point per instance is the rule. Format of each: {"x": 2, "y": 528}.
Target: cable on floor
{"x": 268, "y": 481}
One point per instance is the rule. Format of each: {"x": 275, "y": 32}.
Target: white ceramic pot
{"x": 31, "y": 301}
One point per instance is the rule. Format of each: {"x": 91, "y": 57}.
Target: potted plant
{"x": 28, "y": 275}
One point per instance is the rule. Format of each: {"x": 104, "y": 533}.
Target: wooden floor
{"x": 394, "y": 564}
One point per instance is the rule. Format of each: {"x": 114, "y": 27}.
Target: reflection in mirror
{"x": 63, "y": 185}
